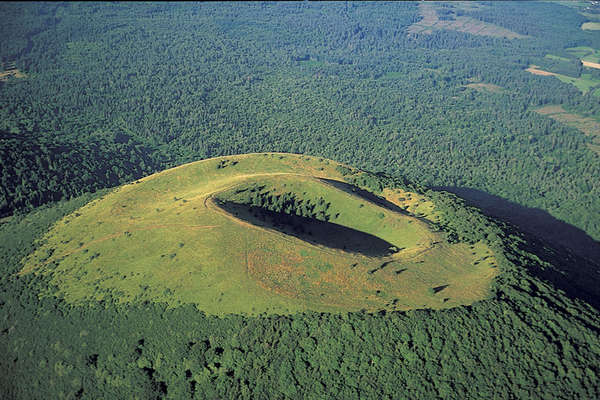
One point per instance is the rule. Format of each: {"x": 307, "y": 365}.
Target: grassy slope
{"x": 584, "y": 83}
{"x": 162, "y": 238}
{"x": 585, "y": 53}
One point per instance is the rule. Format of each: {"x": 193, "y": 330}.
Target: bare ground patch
{"x": 590, "y": 64}
{"x": 546, "y": 110}
{"x": 534, "y": 69}
{"x": 591, "y": 26}
{"x": 431, "y": 22}
{"x": 14, "y": 73}
{"x": 587, "y": 125}
{"x": 485, "y": 87}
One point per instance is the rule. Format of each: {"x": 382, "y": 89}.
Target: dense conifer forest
{"x": 158, "y": 85}
{"x": 112, "y": 92}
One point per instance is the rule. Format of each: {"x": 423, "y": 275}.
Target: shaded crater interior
{"x": 311, "y": 230}
{"x": 364, "y": 194}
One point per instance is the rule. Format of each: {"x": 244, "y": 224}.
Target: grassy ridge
{"x": 163, "y": 238}
{"x": 530, "y": 338}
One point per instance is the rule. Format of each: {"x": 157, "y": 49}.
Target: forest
{"x": 112, "y": 92}
{"x": 149, "y": 87}
{"x": 537, "y": 335}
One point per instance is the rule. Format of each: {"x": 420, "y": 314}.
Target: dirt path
{"x": 534, "y": 70}
{"x": 590, "y": 64}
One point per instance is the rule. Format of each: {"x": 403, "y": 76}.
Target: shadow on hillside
{"x": 575, "y": 255}
{"x": 532, "y": 220}
{"x": 311, "y": 230}
{"x": 365, "y": 194}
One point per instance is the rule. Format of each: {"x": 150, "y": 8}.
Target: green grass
{"x": 584, "y": 83}
{"x": 163, "y": 238}
{"x": 554, "y": 57}
{"x": 585, "y": 53}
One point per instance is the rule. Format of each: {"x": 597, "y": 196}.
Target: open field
{"x": 14, "y": 73}
{"x": 591, "y": 26}
{"x": 584, "y": 83}
{"x": 554, "y": 57}
{"x": 586, "y": 54}
{"x": 431, "y": 22}
{"x": 589, "y": 57}
{"x": 485, "y": 87}
{"x": 170, "y": 237}
{"x": 591, "y": 16}
{"x": 587, "y": 125}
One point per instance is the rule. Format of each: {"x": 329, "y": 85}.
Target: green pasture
{"x": 164, "y": 238}
{"x": 554, "y": 57}
{"x": 585, "y": 53}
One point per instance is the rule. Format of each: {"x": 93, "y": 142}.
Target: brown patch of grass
{"x": 591, "y": 26}
{"x": 552, "y": 109}
{"x": 534, "y": 69}
{"x": 485, "y": 87}
{"x": 470, "y": 25}
{"x": 587, "y": 125}
{"x": 13, "y": 73}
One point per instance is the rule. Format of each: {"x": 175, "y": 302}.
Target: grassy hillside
{"x": 536, "y": 336}
{"x": 275, "y": 233}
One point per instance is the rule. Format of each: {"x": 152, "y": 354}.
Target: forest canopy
{"x": 436, "y": 95}
{"x": 171, "y": 83}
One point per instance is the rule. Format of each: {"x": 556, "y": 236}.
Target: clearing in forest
{"x": 14, "y": 73}
{"x": 591, "y": 26}
{"x": 587, "y": 125}
{"x": 431, "y": 21}
{"x": 584, "y": 83}
{"x": 589, "y": 56}
{"x": 261, "y": 233}
{"x": 485, "y": 87}
{"x": 534, "y": 69}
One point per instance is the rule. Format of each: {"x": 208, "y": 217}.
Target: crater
{"x": 356, "y": 191}
{"x": 312, "y": 230}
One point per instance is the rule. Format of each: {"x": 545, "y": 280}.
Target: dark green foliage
{"x": 287, "y": 202}
{"x": 226, "y": 163}
{"x": 36, "y": 169}
{"x": 572, "y": 67}
{"x": 190, "y": 82}
{"x": 459, "y": 221}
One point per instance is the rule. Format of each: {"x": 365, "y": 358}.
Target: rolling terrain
{"x": 159, "y": 240}
{"x": 274, "y": 233}
{"x": 209, "y": 280}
